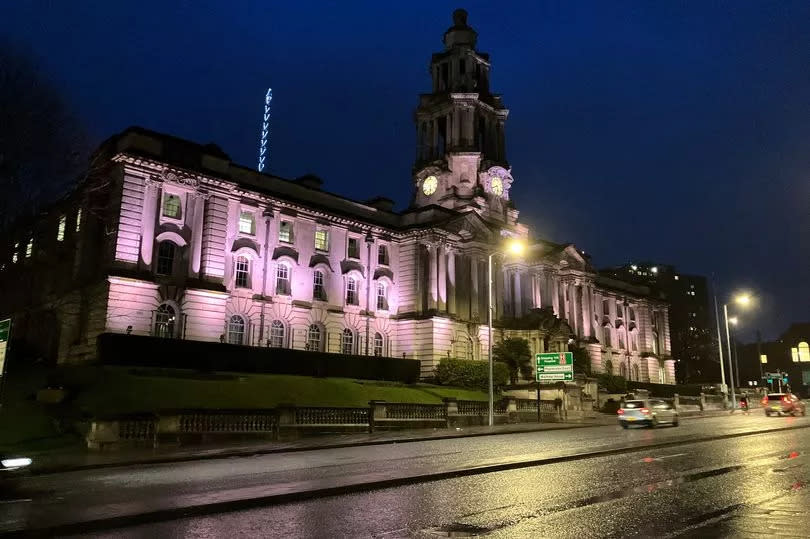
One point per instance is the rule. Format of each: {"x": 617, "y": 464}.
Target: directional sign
{"x": 555, "y": 366}
{"x": 5, "y": 331}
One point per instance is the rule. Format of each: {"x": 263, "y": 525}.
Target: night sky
{"x": 672, "y": 131}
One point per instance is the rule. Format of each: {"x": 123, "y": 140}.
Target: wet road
{"x": 667, "y": 490}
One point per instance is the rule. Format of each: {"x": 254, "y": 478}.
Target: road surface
{"x": 608, "y": 483}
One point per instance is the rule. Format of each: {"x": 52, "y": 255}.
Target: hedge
{"x": 141, "y": 351}
{"x": 471, "y": 374}
{"x": 667, "y": 390}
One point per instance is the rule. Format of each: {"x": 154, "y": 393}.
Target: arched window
{"x": 283, "y": 280}
{"x": 165, "y": 321}
{"x": 382, "y": 297}
{"x": 623, "y": 370}
{"x": 276, "y": 334}
{"x": 804, "y": 352}
{"x": 636, "y": 373}
{"x": 165, "y": 258}
{"x": 608, "y": 366}
{"x": 347, "y": 342}
{"x": 315, "y": 338}
{"x": 242, "y": 272}
{"x": 655, "y": 343}
{"x": 378, "y": 344}
{"x": 352, "y": 297}
{"x": 236, "y": 330}
{"x": 318, "y": 286}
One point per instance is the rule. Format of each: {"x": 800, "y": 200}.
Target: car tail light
{"x": 645, "y": 411}
{"x": 620, "y": 411}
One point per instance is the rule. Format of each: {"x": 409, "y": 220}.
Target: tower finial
{"x": 460, "y": 17}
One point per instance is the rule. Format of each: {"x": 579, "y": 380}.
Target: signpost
{"x": 555, "y": 367}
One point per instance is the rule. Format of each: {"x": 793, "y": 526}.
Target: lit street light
{"x": 515, "y": 247}
{"x": 743, "y": 300}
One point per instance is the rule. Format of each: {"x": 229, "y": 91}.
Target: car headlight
{"x": 16, "y": 463}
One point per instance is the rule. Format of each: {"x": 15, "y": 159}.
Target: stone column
{"x": 433, "y": 277}
{"x": 451, "y": 281}
{"x": 555, "y": 295}
{"x": 442, "y": 255}
{"x": 196, "y": 234}
{"x": 586, "y": 310}
{"x": 518, "y": 297}
{"x": 434, "y": 126}
{"x": 475, "y": 302}
{"x": 151, "y": 199}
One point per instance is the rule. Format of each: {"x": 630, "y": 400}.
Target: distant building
{"x": 789, "y": 353}
{"x": 691, "y": 317}
{"x": 172, "y": 239}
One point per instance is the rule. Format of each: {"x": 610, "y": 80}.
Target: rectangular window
{"x": 285, "y": 232}
{"x": 165, "y": 258}
{"x": 351, "y": 292}
{"x": 382, "y": 255}
{"x": 353, "y": 250}
{"x": 171, "y": 206}
{"x": 29, "y": 248}
{"x": 242, "y": 272}
{"x": 15, "y": 256}
{"x": 247, "y": 222}
{"x": 321, "y": 240}
{"x": 60, "y": 230}
{"x": 283, "y": 280}
{"x": 382, "y": 297}
{"x": 319, "y": 290}
{"x": 606, "y": 307}
{"x": 78, "y": 220}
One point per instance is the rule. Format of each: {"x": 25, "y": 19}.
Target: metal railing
{"x": 415, "y": 411}
{"x": 202, "y": 422}
{"x": 312, "y": 415}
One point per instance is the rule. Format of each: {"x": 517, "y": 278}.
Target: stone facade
{"x": 187, "y": 244}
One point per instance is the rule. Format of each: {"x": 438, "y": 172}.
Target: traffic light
{"x": 785, "y": 379}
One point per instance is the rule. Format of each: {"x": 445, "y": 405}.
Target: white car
{"x": 650, "y": 413}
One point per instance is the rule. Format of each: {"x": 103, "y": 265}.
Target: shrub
{"x": 516, "y": 355}
{"x": 612, "y": 384}
{"x": 470, "y": 374}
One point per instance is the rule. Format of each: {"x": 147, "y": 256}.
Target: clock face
{"x": 496, "y": 184}
{"x": 429, "y": 185}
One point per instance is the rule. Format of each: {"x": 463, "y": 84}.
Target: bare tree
{"x": 42, "y": 146}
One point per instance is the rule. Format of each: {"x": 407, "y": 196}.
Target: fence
{"x": 289, "y": 422}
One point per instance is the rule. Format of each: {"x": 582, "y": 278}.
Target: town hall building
{"x": 170, "y": 238}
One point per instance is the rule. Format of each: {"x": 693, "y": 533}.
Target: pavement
{"x": 75, "y": 459}
{"x": 127, "y": 498}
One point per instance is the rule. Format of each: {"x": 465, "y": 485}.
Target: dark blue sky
{"x": 671, "y": 131}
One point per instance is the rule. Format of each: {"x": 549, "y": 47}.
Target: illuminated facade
{"x": 190, "y": 245}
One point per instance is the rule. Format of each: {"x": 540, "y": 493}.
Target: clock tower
{"x": 460, "y": 157}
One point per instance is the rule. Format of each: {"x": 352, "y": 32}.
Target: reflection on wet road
{"x": 655, "y": 491}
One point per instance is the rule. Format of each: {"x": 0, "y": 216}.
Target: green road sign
{"x": 5, "y": 331}
{"x": 555, "y": 366}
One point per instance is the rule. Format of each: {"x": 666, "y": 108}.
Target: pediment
{"x": 469, "y": 227}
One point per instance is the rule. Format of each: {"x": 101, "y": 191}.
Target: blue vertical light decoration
{"x": 264, "y": 149}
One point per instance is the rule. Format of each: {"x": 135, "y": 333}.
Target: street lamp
{"x": 743, "y": 300}
{"x": 515, "y": 247}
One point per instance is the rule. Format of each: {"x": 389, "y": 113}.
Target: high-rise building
{"x": 691, "y": 317}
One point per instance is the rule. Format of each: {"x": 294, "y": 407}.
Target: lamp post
{"x": 742, "y": 300}
{"x": 515, "y": 247}
{"x": 720, "y": 352}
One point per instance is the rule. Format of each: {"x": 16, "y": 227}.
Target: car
{"x": 651, "y": 413}
{"x": 783, "y": 404}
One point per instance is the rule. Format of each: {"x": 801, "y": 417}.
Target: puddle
{"x": 457, "y": 529}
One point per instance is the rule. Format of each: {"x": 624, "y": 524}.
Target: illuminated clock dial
{"x": 429, "y": 185}
{"x": 496, "y": 184}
